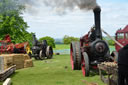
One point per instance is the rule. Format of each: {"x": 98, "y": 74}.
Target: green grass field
{"x": 56, "y": 71}
{"x": 61, "y": 47}
{"x": 52, "y": 72}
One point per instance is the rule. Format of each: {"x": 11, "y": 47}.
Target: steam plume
{"x": 61, "y": 5}
{"x": 72, "y": 4}
{"x": 58, "y": 5}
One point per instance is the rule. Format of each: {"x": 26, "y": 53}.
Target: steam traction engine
{"x": 91, "y": 50}
{"x": 40, "y": 50}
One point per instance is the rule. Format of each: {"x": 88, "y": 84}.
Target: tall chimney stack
{"x": 98, "y": 32}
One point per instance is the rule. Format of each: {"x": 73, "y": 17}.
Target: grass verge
{"x": 56, "y": 71}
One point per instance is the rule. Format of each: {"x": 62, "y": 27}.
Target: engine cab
{"x": 121, "y": 37}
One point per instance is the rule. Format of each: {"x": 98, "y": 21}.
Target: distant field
{"x": 56, "y": 71}
{"x": 62, "y": 46}
{"x": 112, "y": 48}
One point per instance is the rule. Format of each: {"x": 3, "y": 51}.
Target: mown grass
{"x": 62, "y": 46}
{"x": 56, "y": 71}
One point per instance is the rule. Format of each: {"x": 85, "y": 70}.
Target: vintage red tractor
{"x": 91, "y": 50}
{"x": 121, "y": 37}
{"x": 6, "y": 46}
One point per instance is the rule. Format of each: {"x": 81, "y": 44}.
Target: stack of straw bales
{"x": 16, "y": 59}
{"x": 1, "y": 64}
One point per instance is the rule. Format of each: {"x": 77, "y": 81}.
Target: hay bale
{"x": 26, "y": 57}
{"x": 28, "y": 63}
{"x": 15, "y": 59}
{"x": 18, "y": 60}
{"x": 1, "y": 64}
{"x": 7, "y": 60}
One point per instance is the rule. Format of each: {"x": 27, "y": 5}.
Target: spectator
{"x": 123, "y": 66}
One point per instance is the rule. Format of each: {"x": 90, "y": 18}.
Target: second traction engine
{"x": 91, "y": 50}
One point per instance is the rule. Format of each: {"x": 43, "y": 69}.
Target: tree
{"x": 111, "y": 42}
{"x": 50, "y": 41}
{"x": 68, "y": 39}
{"x": 12, "y": 23}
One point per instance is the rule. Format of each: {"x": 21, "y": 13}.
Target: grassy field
{"x": 56, "y": 71}
{"x": 61, "y": 47}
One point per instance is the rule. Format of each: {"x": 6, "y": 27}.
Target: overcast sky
{"x": 46, "y": 22}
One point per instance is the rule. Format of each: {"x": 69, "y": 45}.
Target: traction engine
{"x": 41, "y": 50}
{"x": 91, "y": 50}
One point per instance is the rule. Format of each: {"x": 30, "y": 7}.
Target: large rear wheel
{"x": 41, "y": 55}
{"x": 75, "y": 55}
{"x": 49, "y": 52}
{"x": 85, "y": 64}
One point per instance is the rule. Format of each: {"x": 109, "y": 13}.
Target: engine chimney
{"x": 34, "y": 40}
{"x": 98, "y": 32}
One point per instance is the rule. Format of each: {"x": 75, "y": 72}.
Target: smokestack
{"x": 98, "y": 32}
{"x": 34, "y": 40}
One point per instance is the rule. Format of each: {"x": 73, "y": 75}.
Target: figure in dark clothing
{"x": 93, "y": 34}
{"x": 123, "y": 66}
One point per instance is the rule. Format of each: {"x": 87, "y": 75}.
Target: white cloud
{"x": 46, "y": 22}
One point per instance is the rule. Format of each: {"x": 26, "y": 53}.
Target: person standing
{"x": 123, "y": 66}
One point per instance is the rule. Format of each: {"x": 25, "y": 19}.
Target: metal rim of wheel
{"x": 41, "y": 55}
{"x": 72, "y": 56}
{"x": 78, "y": 55}
{"x": 75, "y": 55}
{"x": 49, "y": 52}
{"x": 85, "y": 64}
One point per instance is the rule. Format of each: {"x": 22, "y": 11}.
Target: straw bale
{"x": 1, "y": 64}
{"x": 26, "y": 57}
{"x": 7, "y": 60}
{"x": 28, "y": 63}
{"x": 18, "y": 60}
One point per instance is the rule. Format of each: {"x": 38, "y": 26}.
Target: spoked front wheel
{"x": 85, "y": 64}
{"x": 75, "y": 54}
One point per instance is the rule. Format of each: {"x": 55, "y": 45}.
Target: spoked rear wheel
{"x": 85, "y": 64}
{"x": 41, "y": 55}
{"x": 49, "y": 52}
{"x": 75, "y": 55}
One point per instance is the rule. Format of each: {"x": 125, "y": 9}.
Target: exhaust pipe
{"x": 34, "y": 40}
{"x": 98, "y": 32}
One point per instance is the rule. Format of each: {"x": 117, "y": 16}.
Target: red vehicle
{"x": 91, "y": 50}
{"x": 6, "y": 46}
{"x": 121, "y": 37}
